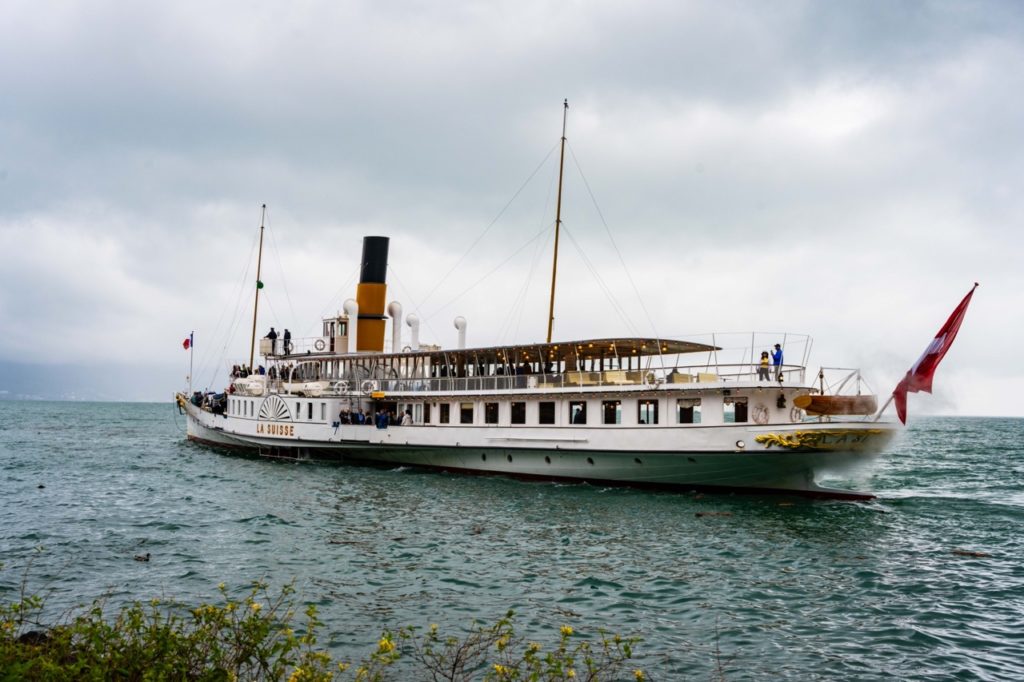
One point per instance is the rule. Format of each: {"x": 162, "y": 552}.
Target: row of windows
{"x": 687, "y": 412}
{"x": 247, "y": 408}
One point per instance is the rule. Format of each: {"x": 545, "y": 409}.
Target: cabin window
{"x": 323, "y": 412}
{"x": 518, "y": 413}
{"x": 445, "y": 415}
{"x": 735, "y": 410}
{"x": 577, "y": 412}
{"x": 309, "y": 411}
{"x": 647, "y": 412}
{"x": 465, "y": 413}
{"x": 298, "y": 411}
{"x": 490, "y": 413}
{"x": 417, "y": 413}
{"x": 426, "y": 413}
{"x": 546, "y": 413}
{"x": 611, "y": 411}
{"x": 689, "y": 410}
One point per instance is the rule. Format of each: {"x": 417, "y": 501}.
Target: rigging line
{"x": 330, "y": 302}
{"x": 280, "y": 267}
{"x": 491, "y": 272}
{"x": 415, "y": 306}
{"x": 214, "y": 338}
{"x": 488, "y": 228}
{"x": 541, "y": 248}
{"x": 601, "y": 283}
{"x": 614, "y": 245}
{"x": 518, "y": 302}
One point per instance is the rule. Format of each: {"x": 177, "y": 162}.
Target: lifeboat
{"x": 816, "y": 405}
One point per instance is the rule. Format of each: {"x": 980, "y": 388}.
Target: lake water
{"x": 783, "y": 588}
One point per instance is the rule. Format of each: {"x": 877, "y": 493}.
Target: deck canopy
{"x": 566, "y": 351}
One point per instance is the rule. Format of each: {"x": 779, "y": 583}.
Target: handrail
{"x": 678, "y": 377}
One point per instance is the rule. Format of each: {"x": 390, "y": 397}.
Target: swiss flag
{"x": 919, "y": 378}
{"x": 186, "y": 343}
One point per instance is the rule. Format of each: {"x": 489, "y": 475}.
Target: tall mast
{"x": 259, "y": 285}
{"x": 558, "y": 222}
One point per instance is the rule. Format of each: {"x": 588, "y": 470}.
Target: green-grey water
{"x": 779, "y": 588}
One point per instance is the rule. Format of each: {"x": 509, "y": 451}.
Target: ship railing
{"x": 702, "y": 374}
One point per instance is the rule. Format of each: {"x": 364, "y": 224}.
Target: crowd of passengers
{"x": 382, "y": 419}
{"x": 296, "y": 373}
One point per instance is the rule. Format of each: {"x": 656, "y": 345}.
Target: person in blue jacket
{"x": 777, "y": 362}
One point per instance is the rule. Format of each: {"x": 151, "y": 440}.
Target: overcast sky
{"x": 844, "y": 170}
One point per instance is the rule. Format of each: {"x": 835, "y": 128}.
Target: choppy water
{"x": 783, "y": 588}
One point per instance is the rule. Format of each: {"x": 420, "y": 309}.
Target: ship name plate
{"x": 274, "y": 429}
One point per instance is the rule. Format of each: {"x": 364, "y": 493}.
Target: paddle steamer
{"x": 645, "y": 412}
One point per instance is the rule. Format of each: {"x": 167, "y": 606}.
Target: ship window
{"x": 323, "y": 412}
{"x": 465, "y": 413}
{"x": 647, "y": 412}
{"x": 689, "y": 410}
{"x": 735, "y": 410}
{"x": 611, "y": 411}
{"x": 298, "y": 410}
{"x": 445, "y": 413}
{"x": 518, "y": 413}
{"x": 577, "y": 412}
{"x": 546, "y": 413}
{"x": 426, "y": 413}
{"x": 309, "y": 411}
{"x": 490, "y": 413}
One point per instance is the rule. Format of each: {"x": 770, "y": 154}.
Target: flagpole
{"x": 191, "y": 352}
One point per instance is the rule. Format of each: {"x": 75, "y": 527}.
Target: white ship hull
{"x": 745, "y": 457}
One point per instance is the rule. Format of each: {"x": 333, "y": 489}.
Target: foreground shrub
{"x": 261, "y": 637}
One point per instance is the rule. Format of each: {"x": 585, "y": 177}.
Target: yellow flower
{"x": 220, "y": 586}
{"x": 256, "y": 606}
{"x": 296, "y": 676}
{"x": 534, "y": 647}
{"x": 385, "y": 645}
{"x": 566, "y": 630}
{"x": 639, "y": 675}
{"x": 570, "y": 673}
{"x": 500, "y": 669}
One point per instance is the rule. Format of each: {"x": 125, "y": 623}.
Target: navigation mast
{"x": 259, "y": 285}
{"x": 558, "y": 222}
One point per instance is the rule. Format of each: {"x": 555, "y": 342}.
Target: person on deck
{"x": 273, "y": 340}
{"x": 407, "y": 418}
{"x": 777, "y": 362}
{"x": 287, "y": 341}
{"x": 762, "y": 371}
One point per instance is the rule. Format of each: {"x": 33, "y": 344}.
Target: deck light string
{"x": 488, "y": 228}
{"x": 232, "y": 327}
{"x": 622, "y": 261}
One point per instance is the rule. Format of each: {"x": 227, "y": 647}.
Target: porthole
{"x": 509, "y": 458}
{"x": 483, "y": 456}
{"x": 547, "y": 459}
{"x": 590, "y": 461}
{"x": 637, "y": 460}
{"x": 691, "y": 459}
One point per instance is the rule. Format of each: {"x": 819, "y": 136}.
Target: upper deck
{"x": 619, "y": 363}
